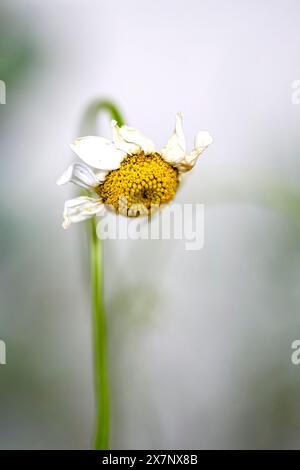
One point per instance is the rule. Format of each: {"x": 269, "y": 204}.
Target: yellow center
{"x": 140, "y": 185}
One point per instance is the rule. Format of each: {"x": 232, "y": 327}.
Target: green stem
{"x": 89, "y": 121}
{"x": 101, "y": 441}
{"x": 100, "y": 343}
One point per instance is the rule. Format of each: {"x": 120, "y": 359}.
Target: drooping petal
{"x": 120, "y": 143}
{"x": 133, "y": 136}
{"x": 98, "y": 152}
{"x": 81, "y": 208}
{"x": 174, "y": 151}
{"x": 202, "y": 140}
{"x": 79, "y": 174}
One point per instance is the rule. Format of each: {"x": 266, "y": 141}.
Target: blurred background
{"x": 200, "y": 341}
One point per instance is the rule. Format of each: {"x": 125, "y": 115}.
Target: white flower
{"x": 129, "y": 169}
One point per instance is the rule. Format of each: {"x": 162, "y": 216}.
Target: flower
{"x": 128, "y": 175}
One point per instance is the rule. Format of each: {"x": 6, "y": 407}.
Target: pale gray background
{"x": 200, "y": 341}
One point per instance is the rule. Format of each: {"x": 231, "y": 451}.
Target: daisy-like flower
{"x": 127, "y": 174}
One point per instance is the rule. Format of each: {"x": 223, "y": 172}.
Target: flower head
{"x": 127, "y": 174}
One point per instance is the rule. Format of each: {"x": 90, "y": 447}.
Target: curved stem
{"x": 89, "y": 121}
{"x": 101, "y": 441}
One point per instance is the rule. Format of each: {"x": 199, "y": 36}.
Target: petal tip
{"x": 65, "y": 177}
{"x": 74, "y": 145}
{"x": 65, "y": 225}
{"x": 203, "y": 139}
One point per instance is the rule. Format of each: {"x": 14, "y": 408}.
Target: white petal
{"x": 174, "y": 151}
{"x": 120, "y": 143}
{"x": 81, "y": 208}
{"x": 98, "y": 152}
{"x": 100, "y": 176}
{"x": 202, "y": 140}
{"x": 132, "y": 135}
{"x": 79, "y": 174}
{"x": 179, "y": 130}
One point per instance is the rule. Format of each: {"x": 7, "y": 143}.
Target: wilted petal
{"x": 81, "y": 208}
{"x": 120, "y": 142}
{"x": 79, "y": 174}
{"x": 98, "y": 152}
{"x": 202, "y": 140}
{"x": 174, "y": 151}
{"x": 133, "y": 136}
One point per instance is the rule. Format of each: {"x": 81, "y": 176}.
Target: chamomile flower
{"x": 127, "y": 175}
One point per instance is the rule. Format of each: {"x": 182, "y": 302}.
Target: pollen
{"x": 140, "y": 185}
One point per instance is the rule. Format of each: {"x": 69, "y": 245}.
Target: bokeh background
{"x": 200, "y": 341}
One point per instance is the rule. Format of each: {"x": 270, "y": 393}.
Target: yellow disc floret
{"x": 141, "y": 184}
